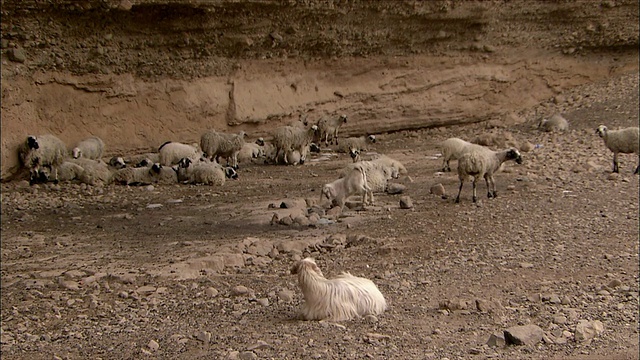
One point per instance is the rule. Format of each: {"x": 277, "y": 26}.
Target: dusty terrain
{"x": 201, "y": 272}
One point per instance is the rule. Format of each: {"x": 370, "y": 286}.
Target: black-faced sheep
{"x": 484, "y": 163}
{"x": 623, "y": 141}
{"x": 90, "y": 148}
{"x": 171, "y": 152}
{"x": 288, "y": 138}
{"x": 328, "y": 128}
{"x": 453, "y": 149}
{"x": 216, "y": 144}
{"x": 39, "y": 151}
{"x": 204, "y": 172}
{"x": 344, "y": 297}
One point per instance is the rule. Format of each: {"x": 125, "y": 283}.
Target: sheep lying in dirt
{"x": 328, "y": 128}
{"x": 353, "y": 183}
{"x": 620, "y": 141}
{"x": 90, "y": 148}
{"x": 289, "y": 138}
{"x": 555, "y": 123}
{"x": 216, "y": 144}
{"x": 143, "y": 160}
{"x": 344, "y": 297}
{"x": 484, "y": 163}
{"x": 39, "y": 151}
{"x": 171, "y": 152}
{"x": 204, "y": 172}
{"x": 142, "y": 175}
{"x": 453, "y": 149}
{"x": 251, "y": 151}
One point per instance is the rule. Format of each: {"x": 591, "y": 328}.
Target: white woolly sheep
{"x": 357, "y": 143}
{"x": 216, "y": 144}
{"x": 344, "y": 297}
{"x": 134, "y": 176}
{"x": 480, "y": 163}
{"x": 171, "y": 152}
{"x": 250, "y": 151}
{"x": 555, "y": 123}
{"x": 354, "y": 183}
{"x": 143, "y": 160}
{"x": 453, "y": 149}
{"x": 623, "y": 141}
{"x": 90, "y": 148}
{"x": 39, "y": 151}
{"x": 165, "y": 175}
{"x": 287, "y": 138}
{"x": 68, "y": 171}
{"x": 95, "y": 172}
{"x": 204, "y": 172}
{"x": 117, "y": 162}
{"x": 354, "y": 154}
{"x": 328, "y": 128}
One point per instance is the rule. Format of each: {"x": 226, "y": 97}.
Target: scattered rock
{"x": 587, "y": 330}
{"x": 394, "y": 188}
{"x": 286, "y": 295}
{"x": 211, "y": 291}
{"x": 240, "y": 290}
{"x": 204, "y": 336}
{"x": 17, "y": 55}
{"x": 153, "y": 345}
{"x": 497, "y": 340}
{"x": 523, "y": 335}
{"x": 406, "y": 203}
{"x": 437, "y": 189}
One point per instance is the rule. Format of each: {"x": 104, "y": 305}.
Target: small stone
{"x": 287, "y": 220}
{"x": 406, "y": 203}
{"x": 211, "y": 291}
{"x": 523, "y": 335}
{"x": 526, "y": 265}
{"x": 247, "y": 355}
{"x": 614, "y": 283}
{"x": 123, "y": 294}
{"x": 560, "y": 319}
{"x": 153, "y": 345}
{"x": 239, "y": 290}
{"x": 286, "y": 295}
{"x": 437, "y": 189}
{"x": 613, "y": 176}
{"x": 146, "y": 290}
{"x": 371, "y": 319}
{"x": 264, "y": 302}
{"x": 204, "y": 336}
{"x": 395, "y": 189}
{"x": 496, "y": 340}
{"x": 261, "y": 344}
{"x": 587, "y": 330}
{"x": 17, "y": 55}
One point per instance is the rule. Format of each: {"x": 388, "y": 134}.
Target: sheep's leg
{"x": 474, "y": 183}
{"x": 615, "y": 162}
{"x": 445, "y": 166}
{"x": 486, "y": 180}
{"x": 459, "y": 191}
{"x": 637, "y": 167}
{"x": 55, "y": 174}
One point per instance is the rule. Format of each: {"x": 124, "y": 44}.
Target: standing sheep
{"x": 484, "y": 163}
{"x": 620, "y": 141}
{"x": 204, "y": 172}
{"x": 344, "y": 297}
{"x": 354, "y": 183}
{"x": 216, "y": 145}
{"x": 288, "y": 138}
{"x": 90, "y": 148}
{"x": 555, "y": 123}
{"x": 39, "y": 151}
{"x": 357, "y": 143}
{"x": 329, "y": 128}
{"x": 453, "y": 149}
{"x": 172, "y": 152}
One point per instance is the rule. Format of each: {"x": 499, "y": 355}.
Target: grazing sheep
{"x": 216, "y": 144}
{"x": 453, "y": 149}
{"x": 171, "y": 152}
{"x": 484, "y": 163}
{"x": 358, "y": 143}
{"x": 354, "y": 183}
{"x": 288, "y": 138}
{"x": 329, "y": 128}
{"x": 204, "y": 172}
{"x": 344, "y": 297}
{"x": 40, "y": 151}
{"x": 90, "y": 148}
{"x": 555, "y": 123}
{"x": 620, "y": 141}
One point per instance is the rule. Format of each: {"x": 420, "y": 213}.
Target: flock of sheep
{"x": 344, "y": 297}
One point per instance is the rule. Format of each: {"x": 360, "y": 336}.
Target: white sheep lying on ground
{"x": 328, "y": 128}
{"x": 90, "y": 148}
{"x": 453, "y": 149}
{"x": 344, "y": 297}
{"x": 250, "y": 151}
{"x": 288, "y": 138}
{"x": 39, "y": 151}
{"x": 204, "y": 172}
{"x": 357, "y": 143}
{"x": 117, "y": 162}
{"x": 171, "y": 152}
{"x": 620, "y": 141}
{"x": 135, "y": 176}
{"x": 555, "y": 123}
{"x": 354, "y": 183}
{"x": 95, "y": 172}
{"x": 143, "y": 160}
{"x": 484, "y": 163}
{"x": 216, "y": 144}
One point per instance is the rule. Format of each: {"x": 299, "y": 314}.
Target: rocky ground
{"x": 200, "y": 272}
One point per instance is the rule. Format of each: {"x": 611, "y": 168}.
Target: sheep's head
{"x": 76, "y": 152}
{"x": 231, "y": 173}
{"x": 143, "y": 163}
{"x": 343, "y": 118}
{"x": 117, "y": 162}
{"x": 601, "y": 130}
{"x": 313, "y": 147}
{"x": 260, "y": 141}
{"x": 156, "y": 168}
{"x": 371, "y": 138}
{"x": 355, "y": 154}
{"x": 32, "y": 142}
{"x": 328, "y": 192}
{"x": 307, "y": 264}
{"x": 513, "y": 154}
{"x": 184, "y": 163}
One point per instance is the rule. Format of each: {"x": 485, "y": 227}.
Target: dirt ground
{"x": 200, "y": 272}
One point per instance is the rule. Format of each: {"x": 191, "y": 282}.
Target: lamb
{"x": 329, "y": 128}
{"x": 357, "y": 143}
{"x": 344, "y": 297}
{"x": 354, "y": 183}
{"x": 172, "y": 152}
{"x": 555, "y": 123}
{"x": 484, "y": 163}
{"x": 40, "y": 151}
{"x": 620, "y": 141}
{"x": 204, "y": 172}
{"x": 216, "y": 145}
{"x": 453, "y": 149}
{"x": 287, "y": 138}
{"x": 90, "y": 148}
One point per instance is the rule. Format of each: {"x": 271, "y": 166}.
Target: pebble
{"x": 406, "y": 203}
{"x": 286, "y": 295}
{"x": 204, "y": 336}
{"x": 153, "y": 345}
{"x": 211, "y": 291}
{"x": 239, "y": 290}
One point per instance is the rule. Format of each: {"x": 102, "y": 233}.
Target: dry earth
{"x": 201, "y": 272}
